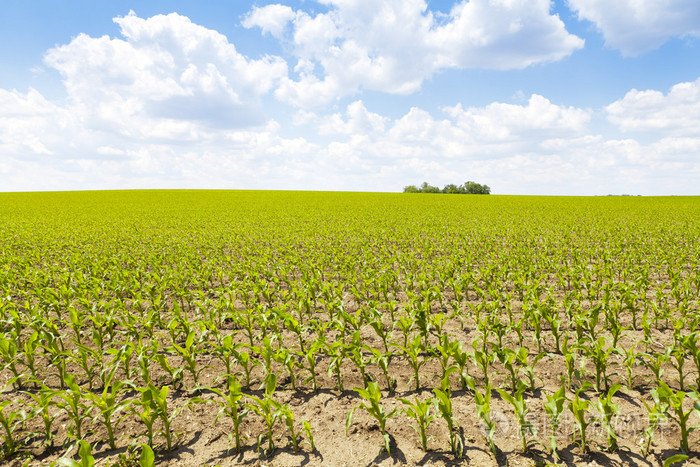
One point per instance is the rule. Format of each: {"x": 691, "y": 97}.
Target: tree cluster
{"x": 469, "y": 188}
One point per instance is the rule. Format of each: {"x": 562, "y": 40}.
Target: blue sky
{"x": 570, "y": 97}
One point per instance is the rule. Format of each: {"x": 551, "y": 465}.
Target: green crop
{"x": 232, "y": 406}
{"x": 607, "y": 410}
{"x": 419, "y": 411}
{"x": 443, "y": 401}
{"x": 554, "y": 408}
{"x": 268, "y": 409}
{"x": 209, "y": 296}
{"x": 12, "y": 422}
{"x": 521, "y": 410}
{"x": 372, "y": 396}
{"x": 579, "y": 408}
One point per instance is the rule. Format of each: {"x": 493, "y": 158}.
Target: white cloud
{"x": 393, "y": 46}
{"x": 272, "y": 19}
{"x": 30, "y": 124}
{"x": 168, "y": 76}
{"x": 638, "y": 26}
{"x": 675, "y": 113}
{"x": 500, "y": 121}
{"x": 359, "y": 121}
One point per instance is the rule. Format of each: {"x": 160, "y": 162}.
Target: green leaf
{"x": 147, "y": 458}
{"x": 674, "y": 459}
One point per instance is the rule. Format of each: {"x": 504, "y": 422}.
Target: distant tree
{"x": 474, "y": 188}
{"x": 470, "y": 187}
{"x": 452, "y": 188}
{"x": 426, "y": 188}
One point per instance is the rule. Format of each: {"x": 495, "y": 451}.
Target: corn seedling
{"x": 85, "y": 457}
{"x": 656, "y": 414}
{"x": 607, "y": 410}
{"x": 72, "y": 402}
{"x": 443, "y": 401}
{"x": 420, "y": 413}
{"x": 372, "y": 397}
{"x": 579, "y": 407}
{"x": 525, "y": 426}
{"x": 108, "y": 405}
{"x": 676, "y": 411}
{"x": 554, "y": 408}
{"x": 268, "y": 409}
{"x": 232, "y": 406}
{"x": 12, "y": 422}
{"x": 483, "y": 410}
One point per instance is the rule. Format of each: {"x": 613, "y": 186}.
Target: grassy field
{"x": 288, "y": 328}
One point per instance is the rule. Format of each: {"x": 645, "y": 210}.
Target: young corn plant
{"x": 108, "y": 405}
{"x": 372, "y": 397}
{"x": 8, "y": 353}
{"x": 656, "y": 414}
{"x": 146, "y": 410}
{"x": 232, "y": 406}
{"x": 189, "y": 355}
{"x": 507, "y": 357}
{"x": 381, "y": 359}
{"x": 176, "y": 374}
{"x": 337, "y": 353}
{"x": 554, "y": 408}
{"x": 677, "y": 413}
{"x": 159, "y": 404}
{"x": 269, "y": 409}
{"x": 294, "y": 433}
{"x": 310, "y": 357}
{"x": 13, "y": 424}
{"x": 30, "y": 353}
{"x": 482, "y": 359}
{"x": 420, "y": 413}
{"x": 124, "y": 355}
{"x": 578, "y": 408}
{"x": 77, "y": 410}
{"x": 246, "y": 362}
{"x": 287, "y": 358}
{"x": 528, "y": 367}
{"x": 443, "y": 401}
{"x": 600, "y": 353}
{"x": 461, "y": 359}
{"x": 52, "y": 343}
{"x": 41, "y": 404}
{"x": 414, "y": 354}
{"x": 84, "y": 454}
{"x": 677, "y": 356}
{"x": 525, "y": 426}
{"x": 483, "y": 410}
{"x": 607, "y": 410}
{"x": 631, "y": 359}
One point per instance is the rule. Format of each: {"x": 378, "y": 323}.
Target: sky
{"x": 563, "y": 97}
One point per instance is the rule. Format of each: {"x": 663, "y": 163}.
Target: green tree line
{"x": 469, "y": 188}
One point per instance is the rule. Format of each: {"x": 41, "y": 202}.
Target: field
{"x": 306, "y": 328}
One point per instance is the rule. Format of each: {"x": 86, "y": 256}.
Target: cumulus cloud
{"x": 165, "y": 68}
{"x": 674, "y": 113}
{"x": 30, "y": 124}
{"x": 272, "y": 19}
{"x": 638, "y": 26}
{"x": 394, "y": 46}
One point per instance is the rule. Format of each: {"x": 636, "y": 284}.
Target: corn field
{"x": 286, "y": 328}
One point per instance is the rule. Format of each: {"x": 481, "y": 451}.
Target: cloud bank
{"x": 173, "y": 104}
{"x": 394, "y": 46}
